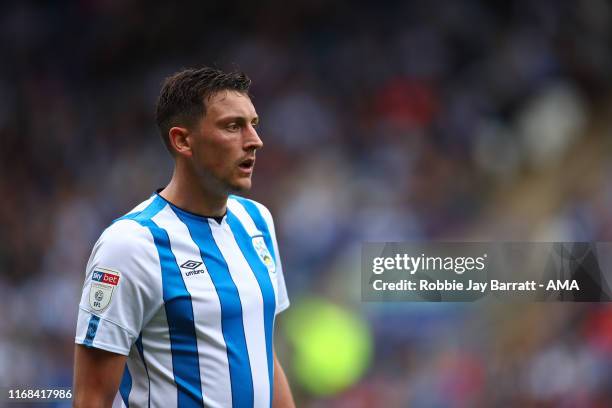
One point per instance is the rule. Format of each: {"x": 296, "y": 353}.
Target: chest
{"x": 220, "y": 273}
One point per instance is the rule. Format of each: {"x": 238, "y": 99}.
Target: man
{"x": 181, "y": 294}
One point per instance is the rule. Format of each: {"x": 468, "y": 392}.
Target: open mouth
{"x": 247, "y": 164}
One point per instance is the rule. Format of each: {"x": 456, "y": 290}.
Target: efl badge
{"x": 264, "y": 254}
{"x": 103, "y": 282}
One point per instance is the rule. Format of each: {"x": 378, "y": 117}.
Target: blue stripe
{"x": 259, "y": 221}
{"x": 126, "y": 386}
{"x": 179, "y": 313}
{"x": 141, "y": 352}
{"x": 231, "y": 308}
{"x": 260, "y": 270}
{"x": 92, "y": 329}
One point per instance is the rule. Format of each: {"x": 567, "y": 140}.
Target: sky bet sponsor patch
{"x": 103, "y": 283}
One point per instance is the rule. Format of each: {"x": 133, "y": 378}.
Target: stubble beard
{"x": 223, "y": 187}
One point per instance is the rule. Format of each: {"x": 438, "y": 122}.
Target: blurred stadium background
{"x": 426, "y": 120}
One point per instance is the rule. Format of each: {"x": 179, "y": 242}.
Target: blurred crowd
{"x": 392, "y": 121}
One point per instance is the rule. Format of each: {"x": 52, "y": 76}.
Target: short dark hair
{"x": 183, "y": 95}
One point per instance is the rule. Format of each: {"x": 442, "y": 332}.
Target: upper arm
{"x": 97, "y": 375}
{"x": 121, "y": 293}
{"x": 122, "y": 288}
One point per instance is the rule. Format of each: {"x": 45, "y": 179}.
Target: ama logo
{"x": 103, "y": 283}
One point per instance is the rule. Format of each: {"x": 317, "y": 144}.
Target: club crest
{"x": 103, "y": 283}
{"x": 264, "y": 254}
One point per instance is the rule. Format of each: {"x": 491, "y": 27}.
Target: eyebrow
{"x": 239, "y": 119}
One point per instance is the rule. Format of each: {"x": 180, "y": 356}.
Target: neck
{"x": 185, "y": 190}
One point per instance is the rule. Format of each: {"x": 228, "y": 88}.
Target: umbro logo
{"x": 191, "y": 264}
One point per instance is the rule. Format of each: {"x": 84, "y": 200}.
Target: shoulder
{"x": 258, "y": 212}
{"x": 251, "y": 206}
{"x": 128, "y": 248}
{"x": 127, "y": 233}
{"x": 125, "y": 237}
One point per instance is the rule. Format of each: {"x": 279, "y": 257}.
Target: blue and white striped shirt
{"x": 190, "y": 301}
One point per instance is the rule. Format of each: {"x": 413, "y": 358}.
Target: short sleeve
{"x": 283, "y": 298}
{"x": 122, "y": 288}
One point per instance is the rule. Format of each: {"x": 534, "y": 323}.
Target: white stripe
{"x": 282, "y": 299}
{"x": 241, "y": 213}
{"x": 252, "y": 310}
{"x": 214, "y": 367}
{"x": 139, "y": 394}
{"x": 238, "y": 210}
{"x": 158, "y": 356}
{"x": 265, "y": 213}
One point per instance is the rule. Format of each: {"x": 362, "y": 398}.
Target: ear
{"x": 179, "y": 140}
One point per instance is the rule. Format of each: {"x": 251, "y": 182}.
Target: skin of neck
{"x": 188, "y": 190}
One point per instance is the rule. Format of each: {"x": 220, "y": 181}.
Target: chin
{"x": 241, "y": 186}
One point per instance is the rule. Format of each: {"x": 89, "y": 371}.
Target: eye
{"x": 233, "y": 127}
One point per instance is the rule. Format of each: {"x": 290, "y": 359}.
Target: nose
{"x": 252, "y": 140}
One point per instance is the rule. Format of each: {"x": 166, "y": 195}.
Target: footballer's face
{"x": 224, "y": 142}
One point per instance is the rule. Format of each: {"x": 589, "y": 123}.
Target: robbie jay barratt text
{"x": 493, "y": 285}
